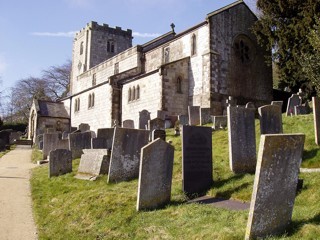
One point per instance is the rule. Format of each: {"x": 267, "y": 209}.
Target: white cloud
{"x": 54, "y": 34}
{"x": 145, "y": 35}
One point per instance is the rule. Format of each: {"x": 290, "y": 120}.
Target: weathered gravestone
{"x": 53, "y": 141}
{"x": 275, "y": 184}
{"x": 83, "y": 127}
{"x": 293, "y": 101}
{"x": 78, "y": 142}
{"x": 125, "y": 154}
{"x": 316, "y": 118}
{"x": 278, "y": 103}
{"x": 205, "y": 115}
{"x": 270, "y": 119}
{"x": 93, "y": 162}
{"x": 156, "y": 123}
{"x": 196, "y": 160}
{"x": 219, "y": 122}
{"x": 194, "y": 115}
{"x": 158, "y": 134}
{"x": 155, "y": 175}
{"x": 129, "y": 123}
{"x": 144, "y": 117}
{"x": 242, "y": 139}
{"x": 38, "y": 140}
{"x": 60, "y": 162}
{"x": 104, "y": 138}
{"x": 183, "y": 119}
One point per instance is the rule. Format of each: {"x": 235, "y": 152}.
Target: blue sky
{"x": 37, "y": 34}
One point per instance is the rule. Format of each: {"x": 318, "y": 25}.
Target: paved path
{"x": 16, "y": 219}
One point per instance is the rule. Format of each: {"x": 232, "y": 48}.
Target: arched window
{"x": 133, "y": 93}
{"x": 129, "y": 95}
{"x": 179, "y": 85}
{"x": 89, "y": 101}
{"x": 112, "y": 47}
{"x": 108, "y": 46}
{"x": 94, "y": 79}
{"x": 92, "y": 100}
{"x": 81, "y": 48}
{"x": 138, "y": 92}
{"x": 77, "y": 105}
{"x": 193, "y": 45}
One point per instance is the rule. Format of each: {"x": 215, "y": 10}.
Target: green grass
{"x": 68, "y": 208}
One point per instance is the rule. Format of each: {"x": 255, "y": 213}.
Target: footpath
{"x": 16, "y": 218}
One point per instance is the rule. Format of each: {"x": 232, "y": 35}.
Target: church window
{"x": 244, "y": 49}
{"x": 91, "y": 100}
{"x": 134, "y": 93}
{"x": 179, "y": 85}
{"x": 77, "y": 105}
{"x": 129, "y": 95}
{"x": 110, "y": 46}
{"x": 94, "y": 79}
{"x": 166, "y": 54}
{"x": 138, "y": 92}
{"x": 193, "y": 45}
{"x": 81, "y": 48}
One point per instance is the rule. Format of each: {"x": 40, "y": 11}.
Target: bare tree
{"x": 57, "y": 79}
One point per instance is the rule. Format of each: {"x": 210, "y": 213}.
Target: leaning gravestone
{"x": 316, "y": 118}
{"x": 60, "y": 162}
{"x": 196, "y": 160}
{"x": 293, "y": 101}
{"x": 155, "y": 175}
{"x": 270, "y": 119}
{"x": 78, "y": 142}
{"x": 144, "y": 117}
{"x": 125, "y": 154}
{"x": 93, "y": 162}
{"x": 205, "y": 115}
{"x": 242, "y": 139}
{"x": 157, "y": 133}
{"x": 275, "y": 184}
{"x": 52, "y": 141}
{"x": 129, "y": 123}
{"x": 194, "y": 115}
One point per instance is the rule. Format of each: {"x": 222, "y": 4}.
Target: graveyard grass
{"x": 69, "y": 208}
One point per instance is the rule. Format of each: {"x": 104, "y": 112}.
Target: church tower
{"x": 96, "y": 43}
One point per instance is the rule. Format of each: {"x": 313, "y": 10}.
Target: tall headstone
{"x": 293, "y": 101}
{"x": 106, "y": 137}
{"x": 155, "y": 175}
{"x": 52, "y": 141}
{"x": 78, "y": 142}
{"x": 316, "y": 118}
{"x": 242, "y": 139}
{"x": 60, "y": 162}
{"x": 125, "y": 154}
{"x": 93, "y": 162}
{"x": 194, "y": 115}
{"x": 205, "y": 115}
{"x": 144, "y": 116}
{"x": 275, "y": 184}
{"x": 128, "y": 123}
{"x": 196, "y": 160}
{"x": 270, "y": 119}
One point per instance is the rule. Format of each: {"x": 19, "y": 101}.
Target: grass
{"x": 68, "y": 208}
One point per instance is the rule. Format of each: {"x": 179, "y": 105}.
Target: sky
{"x": 37, "y": 34}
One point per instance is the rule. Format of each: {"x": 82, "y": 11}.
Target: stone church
{"x": 113, "y": 81}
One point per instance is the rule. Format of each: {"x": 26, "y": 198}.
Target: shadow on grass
{"x": 295, "y": 226}
{"x": 220, "y": 183}
{"x": 228, "y": 193}
{"x": 309, "y": 154}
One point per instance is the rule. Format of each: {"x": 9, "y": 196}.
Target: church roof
{"x": 52, "y": 109}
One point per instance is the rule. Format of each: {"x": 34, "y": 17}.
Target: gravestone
{"x": 183, "y": 119}
{"x": 275, "y": 184}
{"x": 107, "y": 134}
{"x": 196, "y": 160}
{"x": 242, "y": 139}
{"x": 157, "y": 133}
{"x": 162, "y": 114}
{"x": 125, "y": 154}
{"x": 293, "y": 101}
{"x": 194, "y": 115}
{"x": 270, "y": 119}
{"x": 60, "y": 162}
{"x": 65, "y": 135}
{"x": 250, "y": 105}
{"x": 99, "y": 143}
{"x": 156, "y": 123}
{"x": 231, "y": 102}
{"x": 78, "y": 142}
{"x": 129, "y": 123}
{"x": 316, "y": 118}
{"x": 205, "y": 115}
{"x": 219, "y": 122}
{"x": 83, "y": 127}
{"x": 278, "y": 103}
{"x": 39, "y": 138}
{"x": 5, "y": 136}
{"x": 155, "y": 175}
{"x": 53, "y": 141}
{"x": 144, "y": 116}
{"x": 93, "y": 162}
{"x": 167, "y": 123}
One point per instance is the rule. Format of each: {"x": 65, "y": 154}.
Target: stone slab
{"x": 129, "y": 123}
{"x": 125, "y": 154}
{"x": 78, "y": 142}
{"x": 194, "y": 115}
{"x": 52, "y": 141}
{"x": 196, "y": 160}
{"x": 155, "y": 175}
{"x": 293, "y": 101}
{"x": 275, "y": 184}
{"x": 107, "y": 134}
{"x": 270, "y": 119}
{"x": 60, "y": 162}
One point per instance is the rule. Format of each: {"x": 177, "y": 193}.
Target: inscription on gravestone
{"x": 155, "y": 175}
{"x": 196, "y": 160}
{"x": 275, "y": 184}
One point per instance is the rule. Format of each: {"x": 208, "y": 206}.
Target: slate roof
{"x": 52, "y": 109}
